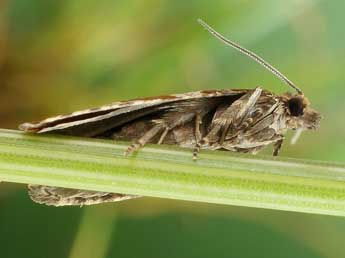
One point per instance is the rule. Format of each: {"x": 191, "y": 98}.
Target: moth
{"x": 240, "y": 120}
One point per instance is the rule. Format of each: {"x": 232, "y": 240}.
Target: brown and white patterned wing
{"x": 59, "y": 196}
{"x": 92, "y": 122}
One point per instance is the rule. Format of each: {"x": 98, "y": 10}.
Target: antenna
{"x": 252, "y": 55}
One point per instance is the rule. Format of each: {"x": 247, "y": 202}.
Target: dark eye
{"x": 296, "y": 106}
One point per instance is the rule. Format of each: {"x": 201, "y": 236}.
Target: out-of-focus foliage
{"x": 60, "y": 56}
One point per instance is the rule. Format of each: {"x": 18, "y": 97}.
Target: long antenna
{"x": 252, "y": 55}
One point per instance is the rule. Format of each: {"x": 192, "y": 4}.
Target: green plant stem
{"x": 169, "y": 172}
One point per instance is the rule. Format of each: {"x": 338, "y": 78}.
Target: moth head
{"x": 299, "y": 114}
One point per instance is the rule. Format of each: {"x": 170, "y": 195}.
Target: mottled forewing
{"x": 92, "y": 122}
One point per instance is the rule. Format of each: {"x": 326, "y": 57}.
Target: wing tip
{"x": 41, "y": 195}
{"x": 28, "y": 127}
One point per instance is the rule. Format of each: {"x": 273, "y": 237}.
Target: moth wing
{"x": 59, "y": 196}
{"x": 92, "y": 122}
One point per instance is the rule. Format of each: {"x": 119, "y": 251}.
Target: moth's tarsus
{"x": 196, "y": 150}
{"x": 244, "y": 120}
{"x": 131, "y": 148}
{"x": 277, "y": 146}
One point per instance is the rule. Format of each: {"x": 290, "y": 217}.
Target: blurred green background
{"x": 61, "y": 56}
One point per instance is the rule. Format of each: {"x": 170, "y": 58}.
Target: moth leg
{"x": 161, "y": 139}
{"x": 198, "y": 122}
{"x": 241, "y": 115}
{"x": 277, "y": 146}
{"x": 198, "y": 136}
{"x": 233, "y": 116}
{"x": 144, "y": 139}
{"x": 173, "y": 120}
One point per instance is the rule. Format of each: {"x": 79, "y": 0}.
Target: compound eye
{"x": 296, "y": 106}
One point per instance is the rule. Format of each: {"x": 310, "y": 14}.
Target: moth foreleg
{"x": 248, "y": 103}
{"x": 233, "y": 117}
{"x": 240, "y": 118}
{"x": 277, "y": 146}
